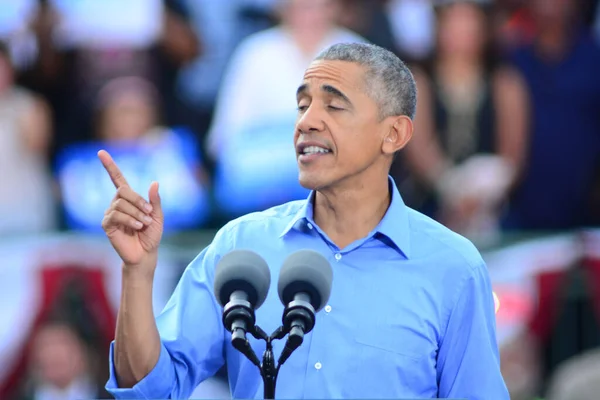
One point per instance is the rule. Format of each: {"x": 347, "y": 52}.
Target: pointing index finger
{"x": 113, "y": 171}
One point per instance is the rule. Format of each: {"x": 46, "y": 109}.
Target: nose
{"x": 310, "y": 120}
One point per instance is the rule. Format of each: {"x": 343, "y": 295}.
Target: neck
{"x": 458, "y": 67}
{"x": 351, "y": 212}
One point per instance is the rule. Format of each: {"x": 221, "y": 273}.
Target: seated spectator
{"x": 470, "y": 126}
{"x": 26, "y": 194}
{"x": 127, "y": 123}
{"x": 561, "y": 72}
{"x": 251, "y": 135}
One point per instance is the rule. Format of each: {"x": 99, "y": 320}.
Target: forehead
{"x": 345, "y": 75}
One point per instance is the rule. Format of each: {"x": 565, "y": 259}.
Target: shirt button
{"x": 338, "y": 256}
{"x": 327, "y": 308}
{"x": 318, "y": 365}
{"x": 309, "y": 226}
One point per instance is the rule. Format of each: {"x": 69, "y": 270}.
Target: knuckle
{"x": 107, "y": 220}
{"x": 122, "y": 191}
{"x": 117, "y": 175}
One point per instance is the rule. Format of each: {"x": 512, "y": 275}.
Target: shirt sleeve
{"x": 191, "y": 332}
{"x": 468, "y": 359}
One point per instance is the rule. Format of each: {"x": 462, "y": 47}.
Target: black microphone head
{"x": 242, "y": 270}
{"x": 309, "y": 272}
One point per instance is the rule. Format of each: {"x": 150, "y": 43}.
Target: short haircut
{"x": 388, "y": 80}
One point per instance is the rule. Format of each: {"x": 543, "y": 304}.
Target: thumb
{"x": 154, "y": 198}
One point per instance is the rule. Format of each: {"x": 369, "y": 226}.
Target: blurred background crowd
{"x": 200, "y": 96}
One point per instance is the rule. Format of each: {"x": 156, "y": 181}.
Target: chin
{"x": 310, "y": 181}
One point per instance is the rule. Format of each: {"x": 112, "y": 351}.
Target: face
{"x": 339, "y": 133}
{"x": 309, "y": 15}
{"x": 58, "y": 356}
{"x": 128, "y": 117}
{"x": 462, "y": 31}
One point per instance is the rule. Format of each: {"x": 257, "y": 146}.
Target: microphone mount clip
{"x": 269, "y": 370}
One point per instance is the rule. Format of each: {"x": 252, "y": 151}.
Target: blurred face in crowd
{"x": 127, "y": 116}
{"x": 462, "y": 30}
{"x": 339, "y": 133}
{"x": 58, "y": 356}
{"x": 310, "y": 16}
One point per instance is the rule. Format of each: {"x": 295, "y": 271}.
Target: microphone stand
{"x": 298, "y": 318}
{"x": 268, "y": 368}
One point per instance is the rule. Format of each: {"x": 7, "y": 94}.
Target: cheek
{"x": 357, "y": 148}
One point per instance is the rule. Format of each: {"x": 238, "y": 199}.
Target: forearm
{"x": 137, "y": 342}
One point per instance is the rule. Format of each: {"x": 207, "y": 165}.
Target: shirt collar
{"x": 394, "y": 225}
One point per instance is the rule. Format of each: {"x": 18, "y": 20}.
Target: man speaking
{"x": 411, "y": 311}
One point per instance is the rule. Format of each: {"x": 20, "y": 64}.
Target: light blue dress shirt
{"x": 411, "y": 315}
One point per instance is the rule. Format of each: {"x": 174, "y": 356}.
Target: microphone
{"x": 242, "y": 280}
{"x": 304, "y": 287}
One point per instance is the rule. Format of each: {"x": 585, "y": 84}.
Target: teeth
{"x": 314, "y": 150}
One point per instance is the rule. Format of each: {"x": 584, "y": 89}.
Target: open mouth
{"x": 310, "y": 150}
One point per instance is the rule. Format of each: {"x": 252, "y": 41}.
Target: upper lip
{"x": 302, "y": 145}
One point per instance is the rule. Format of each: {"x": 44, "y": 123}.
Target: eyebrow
{"x": 302, "y": 89}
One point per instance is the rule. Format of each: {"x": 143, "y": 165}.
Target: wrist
{"x": 143, "y": 271}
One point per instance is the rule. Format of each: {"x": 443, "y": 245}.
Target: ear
{"x": 399, "y": 134}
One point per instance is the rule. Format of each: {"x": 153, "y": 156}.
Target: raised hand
{"x": 133, "y": 225}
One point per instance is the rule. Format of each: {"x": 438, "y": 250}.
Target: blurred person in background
{"x": 577, "y": 378}
{"x": 84, "y": 44}
{"x": 16, "y": 20}
{"x": 561, "y": 72}
{"x": 513, "y": 24}
{"x": 471, "y": 125}
{"x": 61, "y": 366}
{"x": 256, "y": 106}
{"x": 128, "y": 120}
{"x": 221, "y": 25}
{"x": 371, "y": 20}
{"x": 127, "y": 109}
{"x": 25, "y": 136}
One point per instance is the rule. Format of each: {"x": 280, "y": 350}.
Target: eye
{"x": 334, "y": 108}
{"x": 302, "y": 107}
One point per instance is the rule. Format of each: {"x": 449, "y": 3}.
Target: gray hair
{"x": 389, "y": 81}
